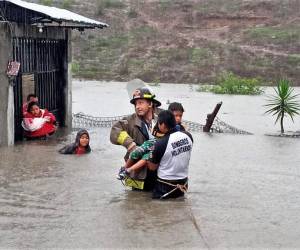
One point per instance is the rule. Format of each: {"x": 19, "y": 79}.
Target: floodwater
{"x": 243, "y": 192}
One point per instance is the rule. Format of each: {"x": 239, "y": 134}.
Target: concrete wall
{"x": 55, "y": 33}
{"x": 6, "y": 91}
{"x": 68, "y": 76}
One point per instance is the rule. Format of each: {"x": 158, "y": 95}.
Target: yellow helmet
{"x": 144, "y": 93}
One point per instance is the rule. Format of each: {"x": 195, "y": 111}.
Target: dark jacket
{"x": 180, "y": 127}
{"x": 71, "y": 148}
{"x": 133, "y": 129}
{"x": 129, "y": 129}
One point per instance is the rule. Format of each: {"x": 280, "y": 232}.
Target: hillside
{"x": 188, "y": 41}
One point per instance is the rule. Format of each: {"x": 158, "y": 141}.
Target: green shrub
{"x": 132, "y": 13}
{"x": 164, "y": 4}
{"x": 136, "y": 62}
{"x": 99, "y": 11}
{"x": 156, "y": 82}
{"x": 142, "y": 32}
{"x": 108, "y": 4}
{"x": 112, "y": 42}
{"x": 275, "y": 35}
{"x": 205, "y": 88}
{"x": 114, "y": 4}
{"x": 229, "y": 83}
{"x": 262, "y": 62}
{"x": 294, "y": 60}
{"x": 46, "y": 2}
{"x": 66, "y": 4}
{"x": 75, "y": 67}
{"x": 171, "y": 55}
{"x": 212, "y": 6}
{"x": 284, "y": 103}
{"x": 199, "y": 55}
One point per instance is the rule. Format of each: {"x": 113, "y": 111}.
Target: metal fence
{"x": 81, "y": 120}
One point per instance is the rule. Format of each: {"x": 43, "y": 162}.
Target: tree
{"x": 283, "y": 103}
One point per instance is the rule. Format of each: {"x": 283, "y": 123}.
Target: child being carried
{"x": 140, "y": 155}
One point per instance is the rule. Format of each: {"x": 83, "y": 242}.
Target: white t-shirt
{"x": 173, "y": 153}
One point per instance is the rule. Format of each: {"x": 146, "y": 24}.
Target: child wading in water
{"x": 80, "y": 146}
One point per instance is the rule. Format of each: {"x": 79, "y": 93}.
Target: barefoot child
{"x": 137, "y": 159}
{"x": 80, "y": 146}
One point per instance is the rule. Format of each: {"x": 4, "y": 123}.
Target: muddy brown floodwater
{"x": 244, "y": 190}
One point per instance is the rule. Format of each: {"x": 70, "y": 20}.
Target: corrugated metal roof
{"x": 56, "y": 14}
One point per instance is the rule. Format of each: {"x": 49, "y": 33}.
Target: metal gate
{"x": 42, "y": 61}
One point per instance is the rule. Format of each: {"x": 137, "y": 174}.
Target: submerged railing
{"x": 81, "y": 120}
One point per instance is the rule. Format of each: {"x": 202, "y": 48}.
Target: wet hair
{"x": 166, "y": 117}
{"x": 86, "y": 133}
{"x": 80, "y": 133}
{"x": 30, "y": 105}
{"x": 71, "y": 148}
{"x": 176, "y": 106}
{"x": 31, "y": 95}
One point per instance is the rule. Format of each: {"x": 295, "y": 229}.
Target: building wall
{"x": 22, "y": 30}
{"x": 6, "y": 90}
{"x": 68, "y": 76}
{"x": 6, "y": 103}
{"x": 55, "y": 33}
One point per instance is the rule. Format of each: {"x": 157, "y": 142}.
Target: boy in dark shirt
{"x": 177, "y": 109}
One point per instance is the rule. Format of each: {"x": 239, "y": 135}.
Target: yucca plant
{"x": 284, "y": 103}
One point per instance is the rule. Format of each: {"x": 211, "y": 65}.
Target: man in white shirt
{"x": 171, "y": 156}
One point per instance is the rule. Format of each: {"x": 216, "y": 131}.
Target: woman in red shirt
{"x": 38, "y": 122}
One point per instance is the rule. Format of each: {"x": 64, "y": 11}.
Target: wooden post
{"x": 211, "y": 117}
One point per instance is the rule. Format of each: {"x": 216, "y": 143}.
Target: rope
{"x": 181, "y": 187}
